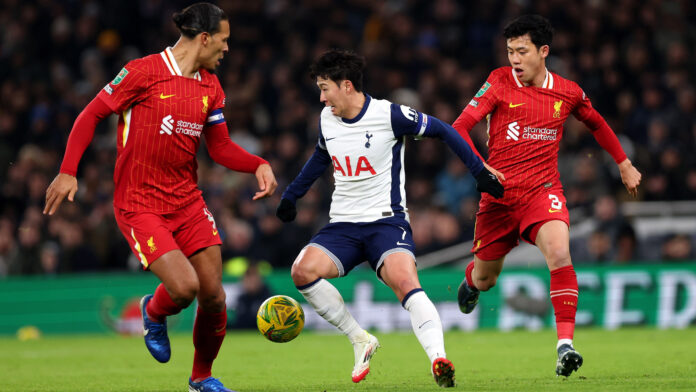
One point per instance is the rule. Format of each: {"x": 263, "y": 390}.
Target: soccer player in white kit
{"x": 363, "y": 138}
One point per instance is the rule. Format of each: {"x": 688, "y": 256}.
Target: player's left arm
{"x": 407, "y": 121}
{"x": 630, "y": 176}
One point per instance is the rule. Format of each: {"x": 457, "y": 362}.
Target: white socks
{"x": 426, "y": 324}
{"x": 328, "y": 303}
{"x": 564, "y": 341}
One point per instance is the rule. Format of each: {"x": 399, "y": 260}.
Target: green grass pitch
{"x": 623, "y": 360}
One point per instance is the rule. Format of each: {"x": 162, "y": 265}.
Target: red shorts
{"x": 499, "y": 227}
{"x": 150, "y": 235}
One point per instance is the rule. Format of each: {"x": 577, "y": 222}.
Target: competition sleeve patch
{"x": 216, "y": 117}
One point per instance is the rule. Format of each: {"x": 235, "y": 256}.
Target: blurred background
{"x": 634, "y": 59}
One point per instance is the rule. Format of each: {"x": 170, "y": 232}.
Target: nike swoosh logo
{"x": 331, "y": 138}
{"x": 421, "y": 326}
{"x": 145, "y": 331}
{"x": 516, "y": 105}
{"x": 402, "y": 243}
{"x": 162, "y": 96}
{"x": 215, "y": 232}
{"x": 552, "y": 211}
{"x": 219, "y": 330}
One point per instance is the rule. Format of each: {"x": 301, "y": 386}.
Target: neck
{"x": 186, "y": 55}
{"x": 355, "y": 104}
{"x": 538, "y": 80}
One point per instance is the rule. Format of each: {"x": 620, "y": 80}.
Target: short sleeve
{"x": 408, "y": 121}
{"x": 486, "y": 98}
{"x": 125, "y": 89}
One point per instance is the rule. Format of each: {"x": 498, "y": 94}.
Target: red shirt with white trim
{"x": 162, "y": 116}
{"x": 525, "y": 127}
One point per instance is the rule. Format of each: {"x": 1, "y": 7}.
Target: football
{"x": 280, "y": 319}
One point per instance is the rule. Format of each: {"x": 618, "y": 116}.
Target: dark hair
{"x": 339, "y": 65}
{"x": 538, "y": 27}
{"x": 199, "y": 18}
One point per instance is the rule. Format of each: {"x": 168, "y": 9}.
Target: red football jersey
{"x": 525, "y": 127}
{"x": 162, "y": 116}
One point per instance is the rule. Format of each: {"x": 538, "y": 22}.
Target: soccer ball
{"x": 280, "y": 319}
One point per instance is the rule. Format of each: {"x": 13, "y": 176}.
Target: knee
{"x": 213, "y": 302}
{"x": 303, "y": 272}
{"x": 485, "y": 283}
{"x": 183, "y": 292}
{"x": 558, "y": 257}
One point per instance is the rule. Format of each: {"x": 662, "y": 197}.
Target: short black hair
{"x": 199, "y": 18}
{"x": 339, "y": 65}
{"x": 538, "y": 27}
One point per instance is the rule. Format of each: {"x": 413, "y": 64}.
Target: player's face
{"x": 332, "y": 95}
{"x": 526, "y": 59}
{"x": 216, "y": 46}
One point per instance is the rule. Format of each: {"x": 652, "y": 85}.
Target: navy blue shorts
{"x": 349, "y": 244}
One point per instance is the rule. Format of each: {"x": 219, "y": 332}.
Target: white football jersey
{"x": 367, "y": 153}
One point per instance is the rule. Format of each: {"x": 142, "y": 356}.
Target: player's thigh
{"x": 334, "y": 251}
{"x": 398, "y": 271}
{"x": 385, "y": 237}
{"x": 548, "y": 205}
{"x": 312, "y": 263}
{"x": 194, "y": 228}
{"x": 208, "y": 265}
{"x": 147, "y": 234}
{"x": 553, "y": 240}
{"x": 496, "y": 231}
{"x": 178, "y": 276}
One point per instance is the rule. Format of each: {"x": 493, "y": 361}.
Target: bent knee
{"x": 184, "y": 292}
{"x": 303, "y": 272}
{"x": 485, "y": 283}
{"x": 558, "y": 257}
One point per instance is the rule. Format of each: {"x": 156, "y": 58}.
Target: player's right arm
{"x": 116, "y": 96}
{"x": 482, "y": 104}
{"x": 65, "y": 183}
{"x": 313, "y": 169}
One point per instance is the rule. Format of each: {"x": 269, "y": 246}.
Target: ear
{"x": 348, "y": 86}
{"x": 205, "y": 38}
{"x": 544, "y": 51}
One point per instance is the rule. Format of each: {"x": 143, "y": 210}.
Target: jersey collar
{"x": 171, "y": 64}
{"x": 361, "y": 114}
{"x": 548, "y": 80}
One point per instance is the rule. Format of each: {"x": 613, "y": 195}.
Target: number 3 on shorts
{"x": 556, "y": 204}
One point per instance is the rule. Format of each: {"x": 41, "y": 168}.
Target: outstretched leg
{"x": 553, "y": 241}
{"x": 309, "y": 273}
{"x": 178, "y": 289}
{"x": 399, "y": 273}
{"x": 211, "y": 316}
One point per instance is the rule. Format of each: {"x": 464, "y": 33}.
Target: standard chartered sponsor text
{"x": 539, "y": 133}
{"x": 189, "y": 128}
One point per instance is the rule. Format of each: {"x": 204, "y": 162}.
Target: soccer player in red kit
{"x": 166, "y": 102}
{"x": 527, "y": 106}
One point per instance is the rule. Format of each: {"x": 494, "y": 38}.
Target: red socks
{"x": 564, "y": 297}
{"x": 161, "y": 305}
{"x": 467, "y": 273}
{"x": 208, "y": 334}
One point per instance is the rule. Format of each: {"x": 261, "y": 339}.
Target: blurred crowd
{"x": 631, "y": 57}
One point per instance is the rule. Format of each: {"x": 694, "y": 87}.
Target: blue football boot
{"x": 210, "y": 384}
{"x": 156, "y": 338}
